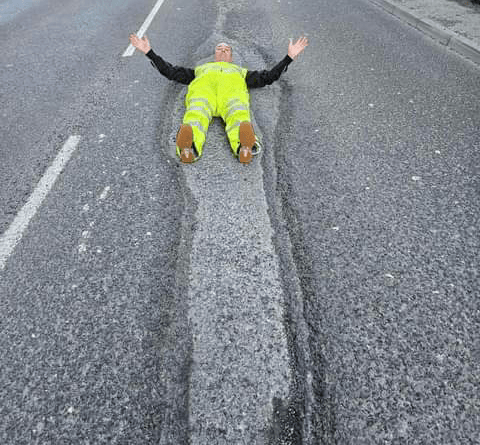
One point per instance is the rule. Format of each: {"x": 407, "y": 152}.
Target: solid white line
{"x": 130, "y": 49}
{"x": 14, "y": 233}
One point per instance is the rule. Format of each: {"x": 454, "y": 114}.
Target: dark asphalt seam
{"x": 306, "y": 419}
{"x": 179, "y": 431}
{"x": 321, "y": 398}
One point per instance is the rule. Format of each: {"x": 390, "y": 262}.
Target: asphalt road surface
{"x": 326, "y": 293}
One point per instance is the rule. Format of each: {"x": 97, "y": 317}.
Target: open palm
{"x": 294, "y": 49}
{"x": 141, "y": 44}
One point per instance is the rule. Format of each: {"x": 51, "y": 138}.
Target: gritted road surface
{"x": 325, "y": 293}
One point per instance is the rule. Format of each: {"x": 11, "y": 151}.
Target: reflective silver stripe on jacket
{"x": 230, "y": 70}
{"x": 233, "y": 102}
{"x": 233, "y": 109}
{"x": 202, "y": 110}
{"x": 231, "y": 127}
{"x": 199, "y": 125}
{"x": 200, "y": 99}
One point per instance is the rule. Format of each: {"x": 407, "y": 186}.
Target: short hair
{"x": 223, "y": 43}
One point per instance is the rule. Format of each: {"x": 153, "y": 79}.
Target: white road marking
{"x": 104, "y": 193}
{"x": 14, "y": 233}
{"x": 130, "y": 49}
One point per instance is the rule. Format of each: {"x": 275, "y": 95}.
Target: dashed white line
{"x": 14, "y": 233}
{"x": 130, "y": 49}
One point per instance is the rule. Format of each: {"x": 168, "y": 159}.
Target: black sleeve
{"x": 177, "y": 73}
{"x": 257, "y": 79}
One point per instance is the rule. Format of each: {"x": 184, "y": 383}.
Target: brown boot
{"x": 184, "y": 143}
{"x": 247, "y": 140}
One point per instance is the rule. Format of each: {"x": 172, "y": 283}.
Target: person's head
{"x": 223, "y": 53}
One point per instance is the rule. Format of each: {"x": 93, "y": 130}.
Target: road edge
{"x": 459, "y": 44}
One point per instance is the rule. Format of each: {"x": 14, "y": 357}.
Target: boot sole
{"x": 247, "y": 140}
{"x": 245, "y": 155}
{"x": 184, "y": 142}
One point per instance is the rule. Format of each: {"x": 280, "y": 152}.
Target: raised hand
{"x": 141, "y": 44}
{"x": 294, "y": 49}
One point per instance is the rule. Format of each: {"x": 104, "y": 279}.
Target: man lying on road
{"x": 218, "y": 89}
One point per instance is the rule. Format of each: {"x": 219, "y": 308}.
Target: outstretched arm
{"x": 177, "y": 73}
{"x": 257, "y": 79}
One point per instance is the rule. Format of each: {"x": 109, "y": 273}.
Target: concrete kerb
{"x": 457, "y": 43}
{"x": 444, "y": 36}
{"x": 466, "y": 47}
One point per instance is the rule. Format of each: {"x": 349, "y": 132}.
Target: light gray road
{"x": 366, "y": 196}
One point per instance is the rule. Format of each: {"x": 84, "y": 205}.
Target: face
{"x": 223, "y": 53}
